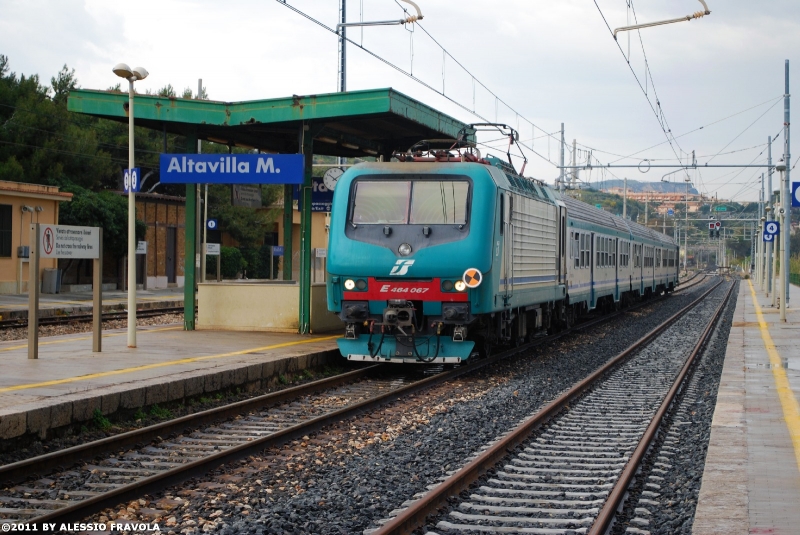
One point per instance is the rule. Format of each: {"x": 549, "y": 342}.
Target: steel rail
{"x": 85, "y": 318}
{"x": 416, "y": 513}
{"x": 40, "y": 465}
{"x": 617, "y": 494}
{"x": 24, "y": 469}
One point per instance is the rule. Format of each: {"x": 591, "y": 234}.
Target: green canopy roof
{"x": 352, "y": 123}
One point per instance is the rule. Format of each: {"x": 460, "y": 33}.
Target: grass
{"x": 100, "y": 421}
{"x": 160, "y": 413}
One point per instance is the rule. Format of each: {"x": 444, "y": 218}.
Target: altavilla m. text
{"x": 226, "y": 164}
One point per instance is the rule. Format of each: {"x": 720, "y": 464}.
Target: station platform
{"x": 751, "y": 481}
{"x": 14, "y": 306}
{"x": 68, "y": 382}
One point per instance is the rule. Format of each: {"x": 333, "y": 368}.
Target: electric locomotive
{"x": 430, "y": 256}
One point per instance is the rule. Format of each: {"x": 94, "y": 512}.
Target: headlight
{"x": 404, "y": 249}
{"x": 349, "y": 284}
{"x": 460, "y": 286}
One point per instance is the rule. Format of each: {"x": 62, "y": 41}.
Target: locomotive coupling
{"x": 399, "y": 313}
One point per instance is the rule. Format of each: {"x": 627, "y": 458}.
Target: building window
{"x": 5, "y": 230}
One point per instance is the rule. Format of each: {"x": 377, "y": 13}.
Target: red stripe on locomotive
{"x": 411, "y": 290}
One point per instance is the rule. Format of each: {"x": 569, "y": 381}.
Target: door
{"x": 592, "y": 263}
{"x": 616, "y": 268}
{"x": 508, "y": 244}
{"x": 562, "y": 246}
{"x": 171, "y": 253}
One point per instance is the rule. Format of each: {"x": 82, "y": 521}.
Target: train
{"x": 441, "y": 257}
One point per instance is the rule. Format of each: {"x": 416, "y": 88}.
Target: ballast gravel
{"x": 348, "y": 477}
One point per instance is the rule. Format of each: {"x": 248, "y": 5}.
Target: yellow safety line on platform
{"x": 791, "y": 408}
{"x": 163, "y": 364}
{"x": 110, "y": 335}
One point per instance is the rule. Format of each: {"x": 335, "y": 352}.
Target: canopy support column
{"x": 307, "y": 148}
{"x": 189, "y": 263}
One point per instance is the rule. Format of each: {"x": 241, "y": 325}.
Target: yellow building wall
{"x": 13, "y": 276}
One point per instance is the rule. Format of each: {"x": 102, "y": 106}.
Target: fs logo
{"x": 401, "y": 267}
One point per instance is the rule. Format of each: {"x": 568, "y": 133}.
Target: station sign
{"x": 130, "y": 180}
{"x": 772, "y": 227}
{"x": 63, "y": 241}
{"x": 721, "y": 209}
{"x": 231, "y": 168}
{"x": 321, "y": 196}
{"x": 795, "y": 194}
{"x": 247, "y": 196}
{"x": 141, "y": 247}
{"x": 213, "y": 249}
{"x": 321, "y": 253}
{"x": 277, "y": 250}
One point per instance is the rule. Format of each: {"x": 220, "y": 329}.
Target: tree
{"x": 104, "y": 209}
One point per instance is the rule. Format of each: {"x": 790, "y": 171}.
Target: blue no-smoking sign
{"x": 130, "y": 179}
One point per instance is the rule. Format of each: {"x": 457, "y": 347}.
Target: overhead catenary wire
{"x": 660, "y": 118}
{"x": 417, "y": 79}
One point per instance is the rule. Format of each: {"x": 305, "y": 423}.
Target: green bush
{"x": 232, "y": 262}
{"x": 252, "y": 262}
{"x": 264, "y": 256}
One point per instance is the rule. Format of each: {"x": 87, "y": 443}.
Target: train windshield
{"x": 416, "y": 202}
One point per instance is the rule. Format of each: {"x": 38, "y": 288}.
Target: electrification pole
{"x": 786, "y": 201}
{"x": 769, "y": 210}
{"x": 561, "y": 176}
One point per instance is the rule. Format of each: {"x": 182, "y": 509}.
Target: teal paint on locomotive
{"x": 379, "y": 264}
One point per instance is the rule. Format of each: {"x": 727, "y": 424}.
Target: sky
{"x": 714, "y": 86}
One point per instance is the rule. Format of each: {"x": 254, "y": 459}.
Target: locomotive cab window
{"x": 416, "y": 202}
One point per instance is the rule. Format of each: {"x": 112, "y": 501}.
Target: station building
{"x": 20, "y": 205}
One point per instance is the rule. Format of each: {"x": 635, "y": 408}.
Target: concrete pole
{"x": 785, "y": 198}
{"x": 686, "y": 231}
{"x": 561, "y": 177}
{"x": 342, "y": 47}
{"x": 574, "y": 178}
{"x": 625, "y": 199}
{"x": 769, "y": 209}
{"x": 775, "y": 285}
{"x": 762, "y": 260}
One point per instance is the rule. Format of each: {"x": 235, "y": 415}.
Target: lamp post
{"x": 138, "y": 73}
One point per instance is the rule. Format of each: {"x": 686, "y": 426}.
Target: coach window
{"x": 5, "y": 230}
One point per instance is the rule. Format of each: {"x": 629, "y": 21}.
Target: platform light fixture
{"x": 139, "y": 73}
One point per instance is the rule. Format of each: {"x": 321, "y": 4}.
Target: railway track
{"x": 574, "y": 460}
{"x": 143, "y": 461}
{"x": 88, "y": 318}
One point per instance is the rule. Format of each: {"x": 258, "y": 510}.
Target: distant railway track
{"x": 87, "y": 318}
{"x": 567, "y": 468}
{"x": 88, "y": 478}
